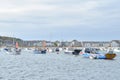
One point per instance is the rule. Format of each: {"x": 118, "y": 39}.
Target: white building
{"x": 115, "y": 43}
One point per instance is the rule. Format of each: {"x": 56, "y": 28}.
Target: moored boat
{"x": 99, "y": 55}
{"x": 17, "y": 51}
{"x": 110, "y": 56}
{"x": 13, "y": 50}
{"x": 37, "y": 51}
{"x": 76, "y": 52}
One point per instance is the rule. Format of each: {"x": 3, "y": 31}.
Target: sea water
{"x": 52, "y": 66}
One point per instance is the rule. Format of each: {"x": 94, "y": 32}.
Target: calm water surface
{"x": 29, "y": 66}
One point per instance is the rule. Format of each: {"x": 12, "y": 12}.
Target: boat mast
{"x": 13, "y": 41}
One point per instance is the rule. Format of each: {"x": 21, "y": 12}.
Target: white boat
{"x": 117, "y": 50}
{"x": 68, "y": 52}
{"x": 93, "y": 56}
{"x": 49, "y": 50}
{"x": 12, "y": 51}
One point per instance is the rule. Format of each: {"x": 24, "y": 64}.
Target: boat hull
{"x": 99, "y": 56}
{"x": 110, "y": 56}
{"x": 39, "y": 52}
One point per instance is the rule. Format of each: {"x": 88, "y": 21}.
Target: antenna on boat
{"x": 13, "y": 41}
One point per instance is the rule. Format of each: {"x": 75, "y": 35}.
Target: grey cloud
{"x": 61, "y": 19}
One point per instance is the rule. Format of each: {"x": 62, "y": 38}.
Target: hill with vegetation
{"x": 9, "y": 38}
{"x": 4, "y": 40}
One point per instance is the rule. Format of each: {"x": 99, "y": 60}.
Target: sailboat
{"x": 13, "y": 50}
{"x": 17, "y": 51}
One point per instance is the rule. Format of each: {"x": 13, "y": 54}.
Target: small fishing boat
{"x": 39, "y": 51}
{"x": 8, "y": 50}
{"x": 99, "y": 55}
{"x": 17, "y": 51}
{"x": 13, "y": 50}
{"x": 110, "y": 56}
{"x": 106, "y": 56}
{"x": 57, "y": 50}
{"x": 68, "y": 51}
{"x": 117, "y": 50}
{"x": 76, "y": 52}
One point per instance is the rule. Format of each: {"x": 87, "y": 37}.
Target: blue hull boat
{"x": 39, "y": 52}
{"x": 94, "y": 56}
{"x": 99, "y": 56}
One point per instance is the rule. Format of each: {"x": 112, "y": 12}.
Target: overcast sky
{"x": 60, "y": 19}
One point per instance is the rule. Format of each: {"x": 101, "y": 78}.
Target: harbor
{"x": 52, "y": 66}
{"x": 40, "y": 60}
{"x": 59, "y": 40}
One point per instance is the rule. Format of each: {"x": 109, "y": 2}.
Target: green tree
{"x": 55, "y": 44}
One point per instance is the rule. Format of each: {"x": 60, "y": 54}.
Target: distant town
{"x": 10, "y": 41}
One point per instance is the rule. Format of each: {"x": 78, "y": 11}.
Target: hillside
{"x": 10, "y": 38}
{"x": 4, "y": 40}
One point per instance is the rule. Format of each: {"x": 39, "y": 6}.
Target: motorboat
{"x": 37, "y": 51}
{"x": 99, "y": 55}
{"x": 76, "y": 52}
